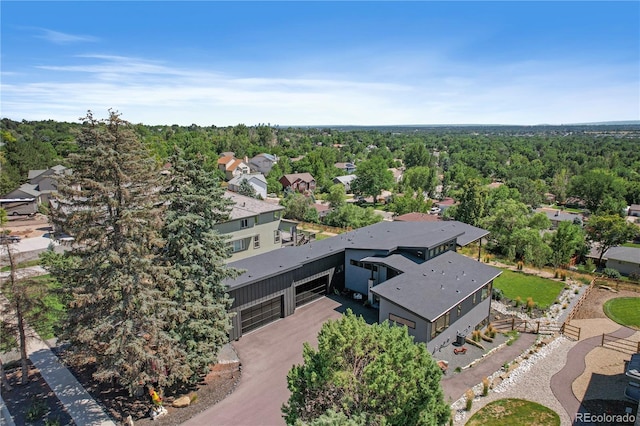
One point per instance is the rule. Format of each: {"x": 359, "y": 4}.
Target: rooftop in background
{"x": 248, "y": 207}
{"x": 417, "y": 217}
{"x": 625, "y": 254}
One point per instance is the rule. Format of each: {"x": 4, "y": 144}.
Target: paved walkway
{"x": 455, "y": 386}
{"x": 562, "y": 381}
{"x": 79, "y": 404}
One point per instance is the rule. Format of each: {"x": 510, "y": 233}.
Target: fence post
{"x": 513, "y": 324}
{"x": 602, "y": 344}
{"x": 538, "y": 328}
{"x": 579, "y": 329}
{"x": 638, "y": 346}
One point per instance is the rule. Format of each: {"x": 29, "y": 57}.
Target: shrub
{"x": 193, "y": 398}
{"x": 518, "y": 301}
{"x": 563, "y": 276}
{"x": 530, "y": 304}
{"x": 565, "y": 306}
{"x": 485, "y": 386}
{"x": 611, "y": 273}
{"x": 476, "y": 335}
{"x": 505, "y": 366}
{"x": 634, "y": 276}
{"x": 458, "y": 369}
{"x": 556, "y": 274}
{"x": 469, "y": 395}
{"x": 497, "y": 294}
{"x": 576, "y": 291}
{"x": 36, "y": 410}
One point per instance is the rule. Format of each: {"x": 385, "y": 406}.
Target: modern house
{"x": 450, "y": 291}
{"x": 253, "y": 226}
{"x": 557, "y": 216}
{"x": 347, "y": 168}
{"x": 298, "y": 182}
{"x": 232, "y": 167}
{"x": 257, "y": 181}
{"x": 345, "y": 181}
{"x": 46, "y": 181}
{"x": 625, "y": 260}
{"x": 263, "y": 163}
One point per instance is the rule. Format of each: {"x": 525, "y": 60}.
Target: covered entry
{"x": 261, "y": 314}
{"x": 311, "y": 290}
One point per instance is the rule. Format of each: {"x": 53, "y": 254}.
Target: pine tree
{"x": 246, "y": 189}
{"x": 194, "y": 254}
{"x": 111, "y": 205}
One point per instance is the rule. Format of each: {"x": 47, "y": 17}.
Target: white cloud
{"x": 153, "y": 92}
{"x": 58, "y": 37}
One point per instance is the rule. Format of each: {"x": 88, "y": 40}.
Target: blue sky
{"x": 315, "y": 63}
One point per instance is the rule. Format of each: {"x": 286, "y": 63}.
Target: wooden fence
{"x": 584, "y": 296}
{"x": 621, "y": 345}
{"x": 612, "y": 283}
{"x": 526, "y": 326}
{"x": 570, "y": 331}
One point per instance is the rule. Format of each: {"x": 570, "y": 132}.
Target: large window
{"x": 440, "y": 325}
{"x": 256, "y": 241}
{"x": 403, "y": 321}
{"x": 236, "y": 246}
{"x": 486, "y": 291}
{"x": 244, "y": 223}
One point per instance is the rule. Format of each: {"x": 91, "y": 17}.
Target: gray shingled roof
{"x": 387, "y": 236}
{"x": 434, "y": 287}
{"x": 248, "y": 207}
{"x": 625, "y": 254}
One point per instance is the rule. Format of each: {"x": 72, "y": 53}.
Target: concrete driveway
{"x": 267, "y": 355}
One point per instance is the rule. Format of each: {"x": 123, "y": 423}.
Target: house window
{"x": 475, "y": 297}
{"x": 256, "y": 241}
{"x": 276, "y": 236}
{"x": 403, "y": 321}
{"x": 236, "y": 246}
{"x": 486, "y": 290}
{"x": 459, "y": 310}
{"x": 440, "y": 325}
{"x": 244, "y": 223}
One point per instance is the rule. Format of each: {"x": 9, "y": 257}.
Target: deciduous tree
{"x": 372, "y": 178}
{"x": 608, "y": 231}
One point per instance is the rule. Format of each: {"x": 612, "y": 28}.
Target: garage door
{"x": 311, "y": 291}
{"x": 262, "y": 314}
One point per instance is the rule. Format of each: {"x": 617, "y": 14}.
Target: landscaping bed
{"x": 514, "y": 411}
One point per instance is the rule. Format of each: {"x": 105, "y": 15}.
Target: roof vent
{"x": 457, "y": 291}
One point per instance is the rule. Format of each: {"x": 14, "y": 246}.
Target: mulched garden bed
{"x": 33, "y": 402}
{"x": 115, "y": 400}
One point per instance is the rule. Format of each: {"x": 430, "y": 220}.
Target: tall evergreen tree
{"x": 194, "y": 253}
{"x": 111, "y": 205}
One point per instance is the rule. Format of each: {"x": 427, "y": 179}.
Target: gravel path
{"x": 530, "y": 380}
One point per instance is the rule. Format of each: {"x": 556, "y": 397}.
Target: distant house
{"x": 232, "y": 167}
{"x": 322, "y": 209}
{"x": 345, "y": 181}
{"x": 299, "y": 182}
{"x": 625, "y": 260}
{"x": 23, "y": 200}
{"x": 257, "y": 181}
{"x": 445, "y": 203}
{"x": 634, "y": 210}
{"x": 397, "y": 173}
{"x": 46, "y": 181}
{"x": 557, "y": 216}
{"x": 253, "y": 226}
{"x": 263, "y": 163}
{"x": 417, "y": 217}
{"x": 347, "y": 168}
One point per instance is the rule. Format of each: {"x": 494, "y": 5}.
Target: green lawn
{"x": 509, "y": 412}
{"x": 27, "y": 264}
{"x": 631, "y": 245}
{"x": 543, "y": 291}
{"x": 624, "y": 311}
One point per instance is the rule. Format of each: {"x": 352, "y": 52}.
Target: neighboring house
{"x": 253, "y": 226}
{"x": 347, "y": 168}
{"x": 46, "y": 181}
{"x": 445, "y": 203}
{"x": 23, "y": 200}
{"x": 398, "y": 173}
{"x": 625, "y": 260}
{"x": 634, "y": 210}
{"x": 558, "y": 216}
{"x": 345, "y": 181}
{"x": 442, "y": 295}
{"x": 417, "y": 217}
{"x": 299, "y": 182}
{"x": 257, "y": 181}
{"x": 322, "y": 209}
{"x": 232, "y": 167}
{"x": 263, "y": 163}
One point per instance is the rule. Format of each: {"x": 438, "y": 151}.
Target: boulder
{"x": 182, "y": 402}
